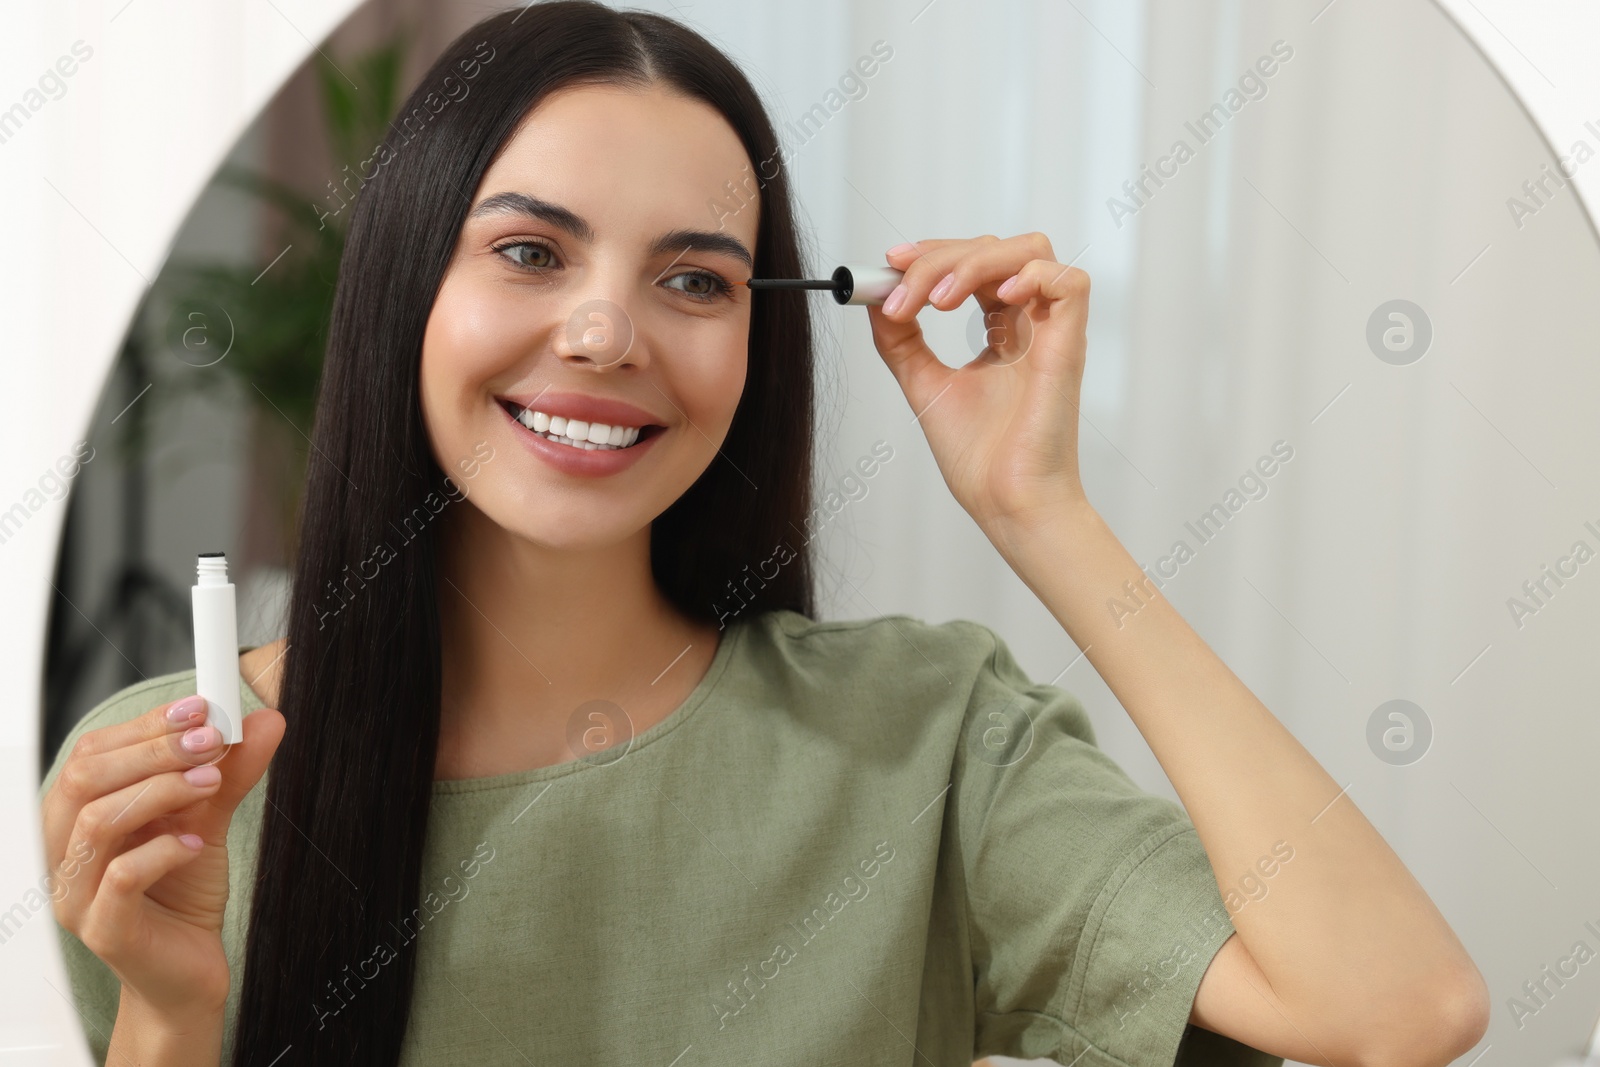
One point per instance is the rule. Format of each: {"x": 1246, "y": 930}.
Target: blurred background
{"x": 1365, "y": 269}
{"x": 223, "y": 358}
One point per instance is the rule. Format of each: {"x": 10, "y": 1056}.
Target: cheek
{"x": 474, "y": 337}
{"x": 713, "y": 382}
{"x": 472, "y": 334}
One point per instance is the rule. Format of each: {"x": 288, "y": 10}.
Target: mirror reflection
{"x": 492, "y": 629}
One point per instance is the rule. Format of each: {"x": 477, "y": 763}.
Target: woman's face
{"x": 592, "y": 283}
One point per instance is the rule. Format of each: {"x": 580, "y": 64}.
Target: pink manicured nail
{"x": 896, "y": 298}
{"x": 193, "y": 841}
{"x": 942, "y": 290}
{"x": 197, "y": 739}
{"x": 186, "y": 709}
{"x": 898, "y": 249}
{"x": 203, "y": 775}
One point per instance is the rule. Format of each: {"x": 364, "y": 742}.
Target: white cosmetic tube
{"x": 216, "y": 646}
{"x": 856, "y": 283}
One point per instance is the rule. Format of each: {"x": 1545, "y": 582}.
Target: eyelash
{"x": 720, "y": 286}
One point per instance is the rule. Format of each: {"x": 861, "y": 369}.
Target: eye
{"x": 706, "y": 288}
{"x": 710, "y": 286}
{"x": 539, "y": 248}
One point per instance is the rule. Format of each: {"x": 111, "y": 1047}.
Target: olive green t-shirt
{"x": 868, "y": 842}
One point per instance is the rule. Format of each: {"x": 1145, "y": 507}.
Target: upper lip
{"x": 589, "y": 409}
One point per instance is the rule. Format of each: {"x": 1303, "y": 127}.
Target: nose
{"x": 600, "y": 334}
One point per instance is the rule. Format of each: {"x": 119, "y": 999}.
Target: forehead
{"x": 645, "y": 159}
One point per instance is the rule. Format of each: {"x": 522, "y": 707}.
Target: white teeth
{"x": 587, "y": 446}
{"x": 577, "y": 433}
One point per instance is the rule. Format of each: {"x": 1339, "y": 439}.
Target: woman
{"x": 567, "y": 771}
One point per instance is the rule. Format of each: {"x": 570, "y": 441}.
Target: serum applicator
{"x": 853, "y": 283}
{"x": 216, "y": 646}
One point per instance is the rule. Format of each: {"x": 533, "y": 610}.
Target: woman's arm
{"x": 143, "y": 1036}
{"x": 1347, "y": 961}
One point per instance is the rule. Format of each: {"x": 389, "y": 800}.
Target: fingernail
{"x": 186, "y": 709}
{"x": 205, "y": 774}
{"x": 1007, "y": 286}
{"x": 197, "y": 739}
{"x": 942, "y": 290}
{"x": 898, "y": 249}
{"x": 193, "y": 841}
{"x": 896, "y": 298}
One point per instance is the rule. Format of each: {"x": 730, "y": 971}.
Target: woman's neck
{"x": 529, "y": 635}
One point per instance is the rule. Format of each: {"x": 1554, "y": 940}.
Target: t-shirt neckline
{"x": 720, "y": 660}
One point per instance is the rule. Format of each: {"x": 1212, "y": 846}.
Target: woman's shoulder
{"x": 883, "y": 651}
{"x": 909, "y": 670}
{"x": 874, "y": 635}
{"x": 262, "y": 668}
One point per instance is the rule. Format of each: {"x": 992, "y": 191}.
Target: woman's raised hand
{"x": 136, "y": 832}
{"x": 1004, "y": 427}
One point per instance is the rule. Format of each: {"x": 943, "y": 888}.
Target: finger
{"x": 83, "y": 781}
{"x": 160, "y": 720}
{"x": 1061, "y": 317}
{"x": 923, "y": 269}
{"x": 1051, "y": 282}
{"x": 113, "y": 922}
{"x": 948, "y": 272}
{"x": 242, "y": 767}
{"x": 982, "y": 268}
{"x": 902, "y": 256}
{"x": 920, "y": 373}
{"x": 99, "y": 763}
{"x": 104, "y": 825}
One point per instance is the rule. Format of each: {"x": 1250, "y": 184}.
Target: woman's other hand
{"x": 136, "y": 832}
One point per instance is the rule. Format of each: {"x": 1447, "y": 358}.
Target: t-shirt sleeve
{"x": 1092, "y": 909}
{"x": 95, "y": 990}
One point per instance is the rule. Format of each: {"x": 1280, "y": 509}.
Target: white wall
{"x": 96, "y": 182}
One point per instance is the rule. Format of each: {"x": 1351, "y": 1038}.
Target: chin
{"x": 563, "y": 529}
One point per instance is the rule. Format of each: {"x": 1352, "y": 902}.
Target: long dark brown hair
{"x": 343, "y": 831}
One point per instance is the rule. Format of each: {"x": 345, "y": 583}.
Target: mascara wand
{"x": 850, "y": 284}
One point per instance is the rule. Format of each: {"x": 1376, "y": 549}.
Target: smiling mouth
{"x": 575, "y": 433}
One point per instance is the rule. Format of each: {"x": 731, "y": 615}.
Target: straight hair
{"x": 344, "y": 827}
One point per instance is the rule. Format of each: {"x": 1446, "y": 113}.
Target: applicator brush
{"x": 850, "y": 284}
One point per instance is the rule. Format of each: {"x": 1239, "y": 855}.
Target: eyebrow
{"x": 676, "y": 241}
